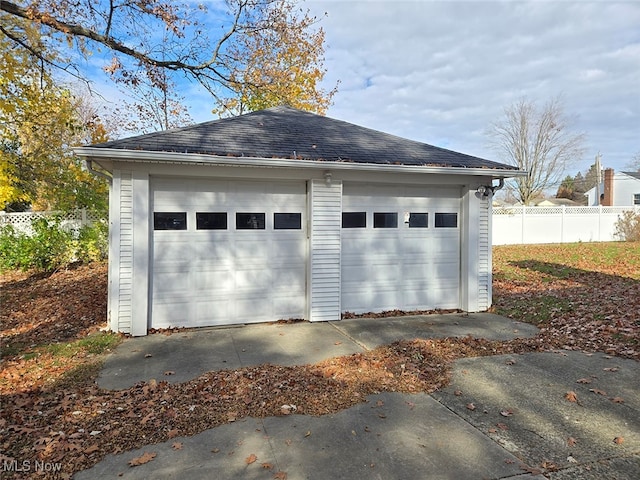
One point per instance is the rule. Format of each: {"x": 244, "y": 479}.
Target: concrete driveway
{"x": 501, "y": 417}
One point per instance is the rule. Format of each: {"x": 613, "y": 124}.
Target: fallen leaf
{"x": 611, "y": 369}
{"x": 169, "y": 372}
{"x": 250, "y": 459}
{"x": 280, "y": 476}
{"x": 173, "y": 433}
{"x": 510, "y": 362}
{"x": 177, "y": 446}
{"x": 493, "y": 430}
{"x": 502, "y": 426}
{"x": 308, "y": 433}
{"x": 146, "y": 457}
{"x": 506, "y": 413}
{"x": 618, "y": 440}
{"x": 148, "y": 355}
{"x": 471, "y": 406}
{"x": 583, "y": 380}
{"x": 411, "y": 405}
{"x": 379, "y": 403}
{"x": 570, "y": 459}
{"x": 267, "y": 466}
{"x": 91, "y": 449}
{"x": 215, "y": 450}
{"x": 617, "y": 400}
{"x": 571, "y": 441}
{"x": 338, "y": 343}
{"x": 597, "y": 391}
{"x": 457, "y": 393}
{"x": 571, "y": 396}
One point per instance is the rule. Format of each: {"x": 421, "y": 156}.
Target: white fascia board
{"x": 144, "y": 156}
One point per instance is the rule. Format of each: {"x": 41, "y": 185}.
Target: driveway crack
{"x": 345, "y": 334}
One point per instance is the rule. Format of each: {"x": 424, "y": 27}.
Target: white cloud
{"x": 440, "y": 72}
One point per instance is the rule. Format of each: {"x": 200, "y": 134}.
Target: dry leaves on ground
{"x": 51, "y": 405}
{"x": 582, "y": 296}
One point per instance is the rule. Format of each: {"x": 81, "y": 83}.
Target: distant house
{"x": 621, "y": 189}
{"x": 283, "y": 214}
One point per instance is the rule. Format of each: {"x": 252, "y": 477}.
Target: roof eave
{"x": 145, "y": 156}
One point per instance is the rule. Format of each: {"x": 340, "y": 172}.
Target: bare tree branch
{"x": 199, "y": 57}
{"x": 538, "y": 141}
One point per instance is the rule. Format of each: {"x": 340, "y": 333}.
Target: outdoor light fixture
{"x": 486, "y": 190}
{"x": 327, "y": 178}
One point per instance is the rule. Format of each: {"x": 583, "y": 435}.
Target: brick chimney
{"x": 607, "y": 201}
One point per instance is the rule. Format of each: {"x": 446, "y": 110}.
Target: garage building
{"x": 284, "y": 214}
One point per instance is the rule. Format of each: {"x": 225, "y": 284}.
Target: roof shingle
{"x": 287, "y": 133}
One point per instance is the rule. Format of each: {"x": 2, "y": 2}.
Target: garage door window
{"x": 418, "y": 220}
{"x": 287, "y": 221}
{"x": 249, "y": 221}
{"x": 211, "y": 220}
{"x": 446, "y": 220}
{"x": 354, "y": 219}
{"x": 385, "y": 220}
{"x": 169, "y": 220}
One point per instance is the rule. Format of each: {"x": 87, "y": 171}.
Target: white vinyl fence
{"x": 519, "y": 225}
{"x": 21, "y": 221}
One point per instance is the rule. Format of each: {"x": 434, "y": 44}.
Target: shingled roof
{"x": 287, "y": 133}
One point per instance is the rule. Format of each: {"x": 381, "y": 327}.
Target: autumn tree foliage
{"x": 280, "y": 62}
{"x": 146, "y": 37}
{"x": 539, "y": 140}
{"x": 39, "y": 123}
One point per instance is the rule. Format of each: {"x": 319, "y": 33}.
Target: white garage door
{"x": 400, "y": 248}
{"x": 227, "y": 252}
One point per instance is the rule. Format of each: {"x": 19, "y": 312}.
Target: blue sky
{"x": 441, "y": 72}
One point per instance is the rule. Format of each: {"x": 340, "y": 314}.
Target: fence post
{"x": 599, "y": 223}
{"x": 524, "y": 221}
{"x": 83, "y": 217}
{"x": 562, "y": 212}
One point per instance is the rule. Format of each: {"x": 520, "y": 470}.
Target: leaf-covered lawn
{"x": 583, "y": 296}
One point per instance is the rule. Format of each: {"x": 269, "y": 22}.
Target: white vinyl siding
{"x": 125, "y": 264}
{"x": 484, "y": 254}
{"x": 326, "y": 208}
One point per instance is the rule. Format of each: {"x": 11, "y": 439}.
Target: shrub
{"x": 13, "y": 248}
{"x": 92, "y": 244}
{"x": 628, "y": 226}
{"x": 51, "y": 245}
